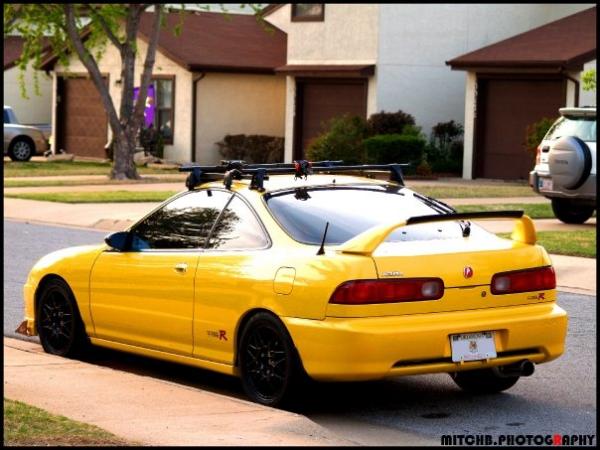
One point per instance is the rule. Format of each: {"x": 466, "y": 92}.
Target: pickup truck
{"x": 565, "y": 170}
{"x": 21, "y": 142}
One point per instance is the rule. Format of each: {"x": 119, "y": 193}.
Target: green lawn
{"x": 533, "y": 210}
{"x": 55, "y": 168}
{"x": 475, "y": 191}
{"x": 97, "y": 197}
{"x": 571, "y": 243}
{"x": 8, "y": 183}
{"x": 25, "y": 425}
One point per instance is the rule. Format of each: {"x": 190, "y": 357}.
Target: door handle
{"x": 181, "y": 268}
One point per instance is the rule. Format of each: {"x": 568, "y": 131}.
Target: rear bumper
{"x": 346, "y": 349}
{"x": 586, "y": 194}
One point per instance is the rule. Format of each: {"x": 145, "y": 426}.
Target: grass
{"x": 475, "y": 191}
{"x": 56, "y": 168}
{"x": 97, "y": 197}
{"x": 25, "y": 425}
{"x": 533, "y": 210}
{"x": 571, "y": 243}
{"x": 39, "y": 183}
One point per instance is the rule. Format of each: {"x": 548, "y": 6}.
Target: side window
{"x": 238, "y": 228}
{"x": 183, "y": 223}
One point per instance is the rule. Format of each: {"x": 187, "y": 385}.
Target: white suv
{"x": 565, "y": 169}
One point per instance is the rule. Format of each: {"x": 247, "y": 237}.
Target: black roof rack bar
{"x": 236, "y": 170}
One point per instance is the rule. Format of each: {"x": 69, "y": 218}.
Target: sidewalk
{"x": 149, "y": 410}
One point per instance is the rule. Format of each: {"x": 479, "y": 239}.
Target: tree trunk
{"x": 123, "y": 164}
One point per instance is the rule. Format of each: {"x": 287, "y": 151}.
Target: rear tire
{"x": 483, "y": 381}
{"x": 21, "y": 149}
{"x": 568, "y": 211}
{"x": 59, "y": 324}
{"x": 269, "y": 364}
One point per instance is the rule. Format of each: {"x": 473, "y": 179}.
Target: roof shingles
{"x": 566, "y": 43}
{"x": 214, "y": 41}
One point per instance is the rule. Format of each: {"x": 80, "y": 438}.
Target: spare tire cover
{"x": 570, "y": 162}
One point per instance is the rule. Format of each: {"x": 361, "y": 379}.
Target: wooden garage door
{"x": 83, "y": 121}
{"x": 318, "y": 101}
{"x": 505, "y": 108}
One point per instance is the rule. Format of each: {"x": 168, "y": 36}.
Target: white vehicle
{"x": 21, "y": 142}
{"x": 565, "y": 170}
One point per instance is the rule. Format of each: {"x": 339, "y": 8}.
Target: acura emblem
{"x": 468, "y": 272}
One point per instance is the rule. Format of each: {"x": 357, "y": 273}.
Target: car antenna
{"x": 322, "y": 248}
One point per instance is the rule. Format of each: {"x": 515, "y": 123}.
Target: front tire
{"x": 21, "y": 150}
{"x": 483, "y": 381}
{"x": 269, "y": 366}
{"x": 568, "y": 211}
{"x": 59, "y": 324}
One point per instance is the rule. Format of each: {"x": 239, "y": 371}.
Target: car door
{"x": 234, "y": 274}
{"x": 145, "y": 296}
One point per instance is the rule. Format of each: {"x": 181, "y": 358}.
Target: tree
{"x": 84, "y": 30}
{"x": 589, "y": 80}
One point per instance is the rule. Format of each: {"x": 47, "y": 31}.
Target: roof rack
{"x": 258, "y": 173}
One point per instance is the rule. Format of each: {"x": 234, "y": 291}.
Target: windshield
{"x": 582, "y": 127}
{"x": 350, "y": 210}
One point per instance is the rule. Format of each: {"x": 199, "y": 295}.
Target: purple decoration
{"x": 150, "y": 105}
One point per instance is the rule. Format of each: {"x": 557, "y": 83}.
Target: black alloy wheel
{"x": 268, "y": 363}
{"x": 58, "y": 322}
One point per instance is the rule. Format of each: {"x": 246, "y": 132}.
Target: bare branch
{"x": 148, "y": 65}
{"x": 90, "y": 63}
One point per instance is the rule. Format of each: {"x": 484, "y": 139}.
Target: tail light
{"x": 539, "y": 279}
{"x": 365, "y": 292}
{"x": 538, "y": 154}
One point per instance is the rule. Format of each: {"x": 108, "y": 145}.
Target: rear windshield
{"x": 304, "y": 212}
{"x": 582, "y": 127}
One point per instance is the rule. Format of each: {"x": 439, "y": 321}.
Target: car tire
{"x": 58, "y": 321}
{"x": 568, "y": 211}
{"x": 269, "y": 364}
{"x": 21, "y": 150}
{"x": 483, "y": 381}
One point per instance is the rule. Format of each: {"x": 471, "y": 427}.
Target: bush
{"x": 389, "y": 123}
{"x": 395, "y": 148}
{"x": 535, "y": 132}
{"x": 344, "y": 141}
{"x": 253, "y": 149}
{"x": 445, "y": 150}
{"x": 445, "y": 132}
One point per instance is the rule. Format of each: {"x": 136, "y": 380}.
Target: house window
{"x": 308, "y": 12}
{"x": 164, "y": 116}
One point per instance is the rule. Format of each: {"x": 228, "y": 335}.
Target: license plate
{"x": 473, "y": 346}
{"x": 545, "y": 184}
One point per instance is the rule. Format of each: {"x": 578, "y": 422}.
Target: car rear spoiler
{"x": 368, "y": 241}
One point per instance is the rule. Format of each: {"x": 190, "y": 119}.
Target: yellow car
{"x": 275, "y": 272}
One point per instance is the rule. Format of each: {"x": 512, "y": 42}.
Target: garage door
{"x": 320, "y": 101}
{"x": 505, "y": 108}
{"x": 82, "y": 119}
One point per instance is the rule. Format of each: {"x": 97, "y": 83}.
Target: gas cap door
{"x": 283, "y": 283}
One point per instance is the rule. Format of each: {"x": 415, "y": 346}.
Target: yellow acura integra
{"x": 336, "y": 277}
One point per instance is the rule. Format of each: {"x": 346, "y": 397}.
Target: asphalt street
{"x": 559, "y": 398}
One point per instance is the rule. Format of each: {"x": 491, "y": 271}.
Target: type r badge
{"x": 468, "y": 272}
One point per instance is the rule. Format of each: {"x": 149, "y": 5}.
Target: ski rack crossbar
{"x": 258, "y": 173}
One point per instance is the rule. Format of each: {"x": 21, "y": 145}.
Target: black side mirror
{"x": 119, "y": 241}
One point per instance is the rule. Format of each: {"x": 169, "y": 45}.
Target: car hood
{"x": 66, "y": 262}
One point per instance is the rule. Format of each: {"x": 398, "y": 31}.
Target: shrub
{"x": 389, "y": 123}
{"x": 534, "y": 134}
{"x": 395, "y": 148}
{"x": 344, "y": 141}
{"x": 444, "y": 133}
{"x": 253, "y": 149}
{"x": 445, "y": 150}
